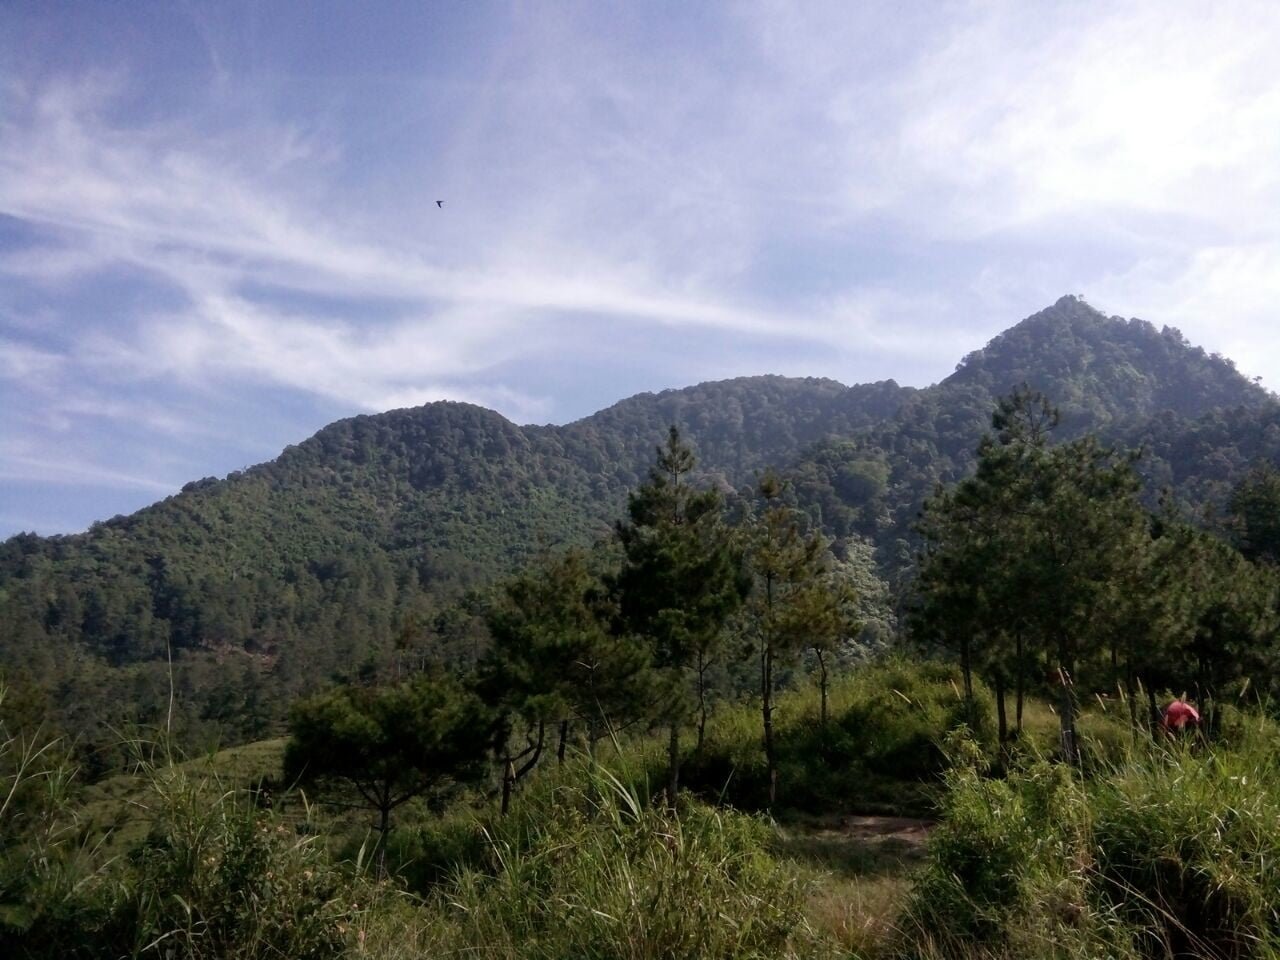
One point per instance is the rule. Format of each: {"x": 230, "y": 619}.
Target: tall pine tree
{"x": 680, "y": 580}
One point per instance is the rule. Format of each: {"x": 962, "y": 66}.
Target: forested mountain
{"x": 1199, "y": 422}
{"x": 369, "y": 534}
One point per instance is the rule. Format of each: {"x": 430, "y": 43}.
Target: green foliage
{"x": 1200, "y": 423}
{"x": 361, "y": 550}
{"x": 555, "y": 657}
{"x": 794, "y": 605}
{"x": 583, "y": 868}
{"x": 1044, "y": 562}
{"x": 1002, "y": 848}
{"x": 1255, "y": 506}
{"x": 215, "y": 877}
{"x": 680, "y": 580}
{"x": 1169, "y": 851}
{"x": 389, "y": 745}
{"x": 880, "y": 750}
{"x": 681, "y": 575}
{"x": 430, "y": 852}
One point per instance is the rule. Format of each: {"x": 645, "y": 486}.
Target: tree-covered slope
{"x": 313, "y": 564}
{"x": 1126, "y": 380}
{"x": 1100, "y": 368}
{"x": 304, "y": 567}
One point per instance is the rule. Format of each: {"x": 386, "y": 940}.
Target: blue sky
{"x": 219, "y": 230}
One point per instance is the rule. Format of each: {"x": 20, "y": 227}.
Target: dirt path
{"x": 872, "y": 829}
{"x": 857, "y": 845}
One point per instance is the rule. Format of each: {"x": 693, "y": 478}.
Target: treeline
{"x": 1044, "y": 574}
{"x": 1046, "y": 569}
{"x": 683, "y": 606}
{"x": 377, "y": 541}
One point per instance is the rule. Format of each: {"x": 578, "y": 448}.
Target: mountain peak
{"x": 1088, "y": 362}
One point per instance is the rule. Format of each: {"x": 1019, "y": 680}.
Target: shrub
{"x": 879, "y": 749}
{"x": 1169, "y": 852}
{"x": 1188, "y": 852}
{"x": 1002, "y": 848}
{"x": 585, "y": 868}
{"x": 432, "y": 851}
{"x": 215, "y": 878}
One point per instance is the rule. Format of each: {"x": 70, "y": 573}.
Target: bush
{"x": 215, "y": 878}
{"x": 1002, "y": 849}
{"x": 1188, "y": 852}
{"x": 584, "y": 868}
{"x": 431, "y": 852}
{"x": 1171, "y": 851}
{"x": 880, "y": 748}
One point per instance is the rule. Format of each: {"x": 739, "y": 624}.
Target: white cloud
{"x": 20, "y": 362}
{"x": 1225, "y": 296}
{"x": 1015, "y": 114}
{"x": 15, "y": 464}
{"x": 880, "y": 186}
{"x": 202, "y": 223}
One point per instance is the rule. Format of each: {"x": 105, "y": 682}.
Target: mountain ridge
{"x": 318, "y": 560}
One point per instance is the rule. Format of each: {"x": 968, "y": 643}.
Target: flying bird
{"x": 439, "y": 203}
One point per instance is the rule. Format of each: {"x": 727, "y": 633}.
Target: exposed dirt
{"x": 857, "y": 845}
{"x": 908, "y": 830}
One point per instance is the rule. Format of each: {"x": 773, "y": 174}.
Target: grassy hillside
{"x": 1152, "y": 847}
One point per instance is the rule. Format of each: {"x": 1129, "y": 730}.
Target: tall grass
{"x": 585, "y": 867}
{"x": 215, "y": 877}
{"x": 1170, "y": 850}
{"x": 879, "y": 751}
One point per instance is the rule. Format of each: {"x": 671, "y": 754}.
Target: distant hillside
{"x": 372, "y": 530}
{"x": 1126, "y": 380}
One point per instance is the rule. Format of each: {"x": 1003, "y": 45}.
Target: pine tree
{"x": 1035, "y": 555}
{"x": 555, "y": 662}
{"x": 1255, "y": 509}
{"x": 793, "y": 605}
{"x": 389, "y": 745}
{"x": 680, "y": 580}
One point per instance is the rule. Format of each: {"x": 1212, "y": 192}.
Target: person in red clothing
{"x": 1180, "y": 717}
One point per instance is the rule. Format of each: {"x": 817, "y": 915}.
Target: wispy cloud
{"x": 18, "y": 465}
{"x": 871, "y": 190}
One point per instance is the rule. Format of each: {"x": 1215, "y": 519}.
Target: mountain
{"x": 373, "y": 530}
{"x": 1134, "y": 384}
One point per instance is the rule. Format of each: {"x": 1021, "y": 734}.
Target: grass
{"x": 878, "y": 753}
{"x": 120, "y": 809}
{"x": 1155, "y": 852}
{"x": 585, "y": 867}
{"x": 858, "y": 880}
{"x": 1169, "y": 849}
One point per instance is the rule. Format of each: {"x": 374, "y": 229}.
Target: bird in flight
{"x": 439, "y": 203}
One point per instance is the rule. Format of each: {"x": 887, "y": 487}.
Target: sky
{"x": 220, "y": 228}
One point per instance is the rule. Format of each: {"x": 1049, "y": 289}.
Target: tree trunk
{"x": 703, "y": 666}
{"x": 1002, "y": 719}
{"x": 766, "y": 700}
{"x": 822, "y": 684}
{"x": 1021, "y": 681}
{"x": 536, "y": 747}
{"x": 508, "y": 782}
{"x": 673, "y": 766}
{"x": 1131, "y": 694}
{"x": 564, "y": 739}
{"x": 966, "y": 669}
{"x": 384, "y": 827}
{"x": 1068, "y": 705}
{"x": 510, "y": 775}
{"x": 1153, "y": 708}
